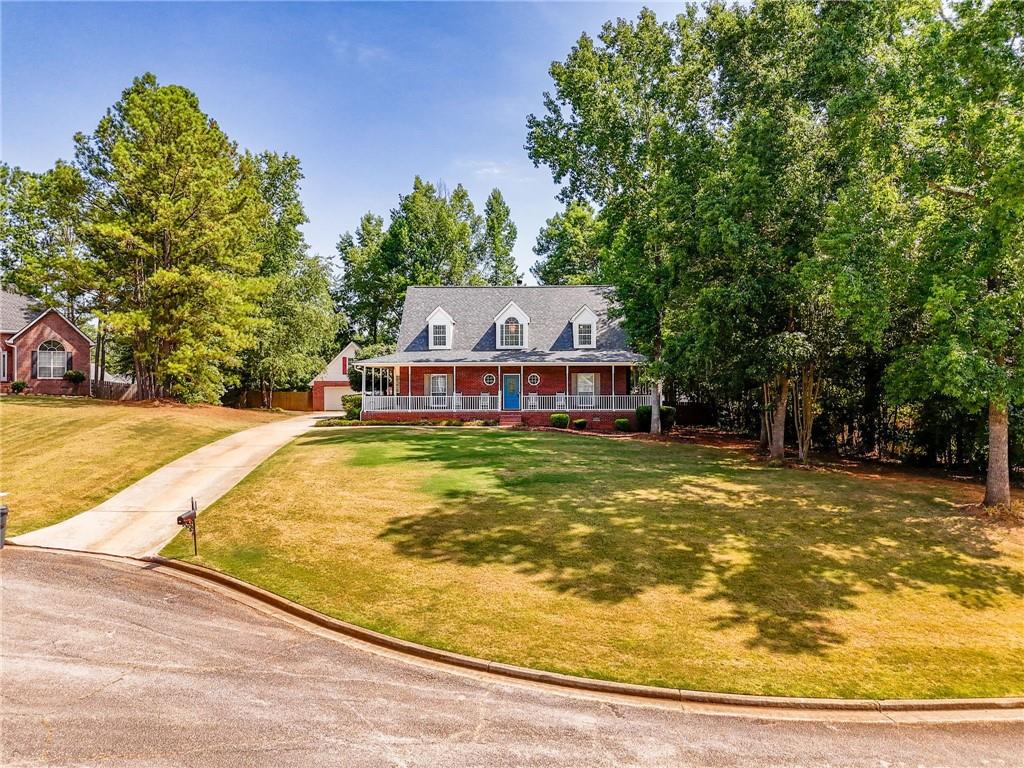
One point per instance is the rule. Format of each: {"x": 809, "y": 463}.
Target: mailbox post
{"x": 188, "y": 520}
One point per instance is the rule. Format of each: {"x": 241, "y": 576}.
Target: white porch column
{"x": 501, "y": 391}
{"x": 613, "y": 386}
{"x": 409, "y": 393}
{"x": 455, "y": 378}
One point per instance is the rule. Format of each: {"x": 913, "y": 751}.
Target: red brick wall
{"x": 5, "y": 384}
{"x": 52, "y": 326}
{"x": 600, "y": 421}
{"x": 552, "y": 378}
{"x": 318, "y": 391}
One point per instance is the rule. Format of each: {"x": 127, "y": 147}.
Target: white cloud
{"x": 362, "y": 54}
{"x": 493, "y": 170}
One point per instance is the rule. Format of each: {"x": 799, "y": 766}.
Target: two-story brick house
{"x": 513, "y": 353}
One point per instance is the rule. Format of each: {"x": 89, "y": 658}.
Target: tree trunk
{"x": 103, "y": 358}
{"x": 762, "y": 441}
{"x": 96, "y": 378}
{"x": 805, "y": 396}
{"x": 656, "y": 408}
{"x": 777, "y": 446}
{"x": 997, "y": 486}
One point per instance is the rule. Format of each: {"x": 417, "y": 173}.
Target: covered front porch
{"x": 434, "y": 390}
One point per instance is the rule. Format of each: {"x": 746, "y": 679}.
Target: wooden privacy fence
{"x": 289, "y": 401}
{"x": 115, "y": 390}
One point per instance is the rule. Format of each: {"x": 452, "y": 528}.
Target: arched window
{"x": 51, "y": 361}
{"x": 512, "y": 333}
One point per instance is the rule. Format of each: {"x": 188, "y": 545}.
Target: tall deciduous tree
{"x": 568, "y": 249}
{"x": 966, "y": 168}
{"x": 175, "y": 213}
{"x": 619, "y": 108}
{"x": 298, "y": 323}
{"x": 295, "y": 319}
{"x": 499, "y": 238}
{"x": 40, "y": 231}
{"x": 433, "y": 237}
{"x": 366, "y": 291}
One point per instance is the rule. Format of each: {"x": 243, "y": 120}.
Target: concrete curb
{"x": 581, "y": 683}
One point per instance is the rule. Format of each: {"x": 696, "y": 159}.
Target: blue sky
{"x": 366, "y": 94}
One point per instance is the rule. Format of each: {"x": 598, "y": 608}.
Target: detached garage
{"x": 332, "y": 397}
{"x": 332, "y": 383}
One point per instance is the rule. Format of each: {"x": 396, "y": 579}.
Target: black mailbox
{"x": 188, "y": 520}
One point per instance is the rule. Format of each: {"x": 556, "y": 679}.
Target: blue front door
{"x": 510, "y": 388}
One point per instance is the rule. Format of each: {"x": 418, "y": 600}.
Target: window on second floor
{"x": 585, "y": 334}
{"x": 512, "y": 333}
{"x": 440, "y": 327}
{"x": 584, "y": 328}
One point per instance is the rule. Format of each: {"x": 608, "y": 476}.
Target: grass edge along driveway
{"x": 62, "y": 456}
{"x": 662, "y": 564}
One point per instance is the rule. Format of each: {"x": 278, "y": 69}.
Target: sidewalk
{"x": 142, "y": 518}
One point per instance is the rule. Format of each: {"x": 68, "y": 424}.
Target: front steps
{"x": 510, "y": 419}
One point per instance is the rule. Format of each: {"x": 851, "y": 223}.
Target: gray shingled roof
{"x": 473, "y": 309}
{"x": 16, "y": 311}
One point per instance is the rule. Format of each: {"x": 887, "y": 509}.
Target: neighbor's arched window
{"x": 52, "y": 360}
{"x": 512, "y": 333}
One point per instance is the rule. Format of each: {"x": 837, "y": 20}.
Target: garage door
{"x": 332, "y": 398}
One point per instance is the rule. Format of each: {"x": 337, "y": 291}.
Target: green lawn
{"x": 61, "y": 456}
{"x": 654, "y": 563}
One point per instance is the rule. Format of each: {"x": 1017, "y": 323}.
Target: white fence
{"x": 492, "y": 402}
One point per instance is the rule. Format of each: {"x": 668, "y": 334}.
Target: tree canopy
{"x": 806, "y": 209}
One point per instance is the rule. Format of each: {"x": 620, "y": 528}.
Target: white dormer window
{"x": 584, "y": 328}
{"x": 439, "y": 329}
{"x": 512, "y": 327}
{"x": 512, "y": 333}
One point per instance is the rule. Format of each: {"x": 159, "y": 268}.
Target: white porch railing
{"x": 491, "y": 402}
{"x": 456, "y": 402}
{"x": 563, "y": 402}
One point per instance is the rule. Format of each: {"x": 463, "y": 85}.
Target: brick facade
{"x": 318, "y": 391}
{"x": 469, "y": 380}
{"x": 50, "y": 326}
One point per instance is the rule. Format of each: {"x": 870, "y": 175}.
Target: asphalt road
{"x": 111, "y": 663}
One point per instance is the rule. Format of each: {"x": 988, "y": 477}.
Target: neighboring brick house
{"x": 332, "y": 383}
{"x": 38, "y": 346}
{"x": 517, "y": 354}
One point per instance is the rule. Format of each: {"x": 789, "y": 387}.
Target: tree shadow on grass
{"x": 605, "y": 521}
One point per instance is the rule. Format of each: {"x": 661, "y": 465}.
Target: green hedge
{"x": 560, "y": 420}
{"x": 622, "y": 425}
{"x": 353, "y": 405}
{"x": 643, "y": 418}
{"x": 579, "y": 424}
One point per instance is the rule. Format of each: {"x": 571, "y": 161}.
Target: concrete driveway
{"x": 116, "y": 663}
{"x": 141, "y": 519}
